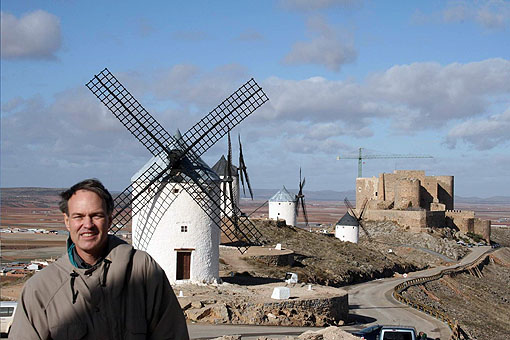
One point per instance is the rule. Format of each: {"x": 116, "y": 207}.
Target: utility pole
{"x": 361, "y": 157}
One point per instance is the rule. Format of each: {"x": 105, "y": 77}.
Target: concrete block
{"x": 280, "y": 293}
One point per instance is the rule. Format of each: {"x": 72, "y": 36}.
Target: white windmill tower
{"x": 186, "y": 237}
{"x": 347, "y": 229}
{"x": 282, "y": 206}
{"x": 285, "y": 206}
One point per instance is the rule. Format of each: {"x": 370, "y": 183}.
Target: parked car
{"x": 387, "y": 332}
{"x": 369, "y": 333}
{"x": 7, "y": 309}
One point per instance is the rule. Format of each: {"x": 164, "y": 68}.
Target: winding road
{"x": 369, "y": 303}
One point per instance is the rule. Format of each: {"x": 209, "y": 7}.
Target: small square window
{"x": 184, "y": 228}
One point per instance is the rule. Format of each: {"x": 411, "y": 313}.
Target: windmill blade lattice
{"x": 130, "y": 112}
{"x": 157, "y": 140}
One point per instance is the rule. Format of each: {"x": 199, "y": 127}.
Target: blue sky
{"x": 401, "y": 77}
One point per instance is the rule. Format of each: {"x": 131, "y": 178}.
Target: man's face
{"x": 88, "y": 224}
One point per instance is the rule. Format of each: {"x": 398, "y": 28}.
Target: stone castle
{"x": 415, "y": 201}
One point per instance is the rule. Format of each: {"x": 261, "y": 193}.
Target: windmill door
{"x": 183, "y": 265}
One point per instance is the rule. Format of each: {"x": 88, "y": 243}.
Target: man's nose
{"x": 88, "y": 221}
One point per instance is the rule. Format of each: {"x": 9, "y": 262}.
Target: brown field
{"x": 38, "y": 208}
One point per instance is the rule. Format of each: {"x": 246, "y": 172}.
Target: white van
{"x": 7, "y": 309}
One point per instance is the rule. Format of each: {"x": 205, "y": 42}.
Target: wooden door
{"x": 183, "y": 265}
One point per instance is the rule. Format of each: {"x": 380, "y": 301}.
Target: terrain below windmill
{"x": 32, "y": 209}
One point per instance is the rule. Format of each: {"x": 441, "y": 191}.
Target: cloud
{"x": 191, "y": 36}
{"x": 483, "y": 133}
{"x": 490, "y": 14}
{"x": 326, "y": 49}
{"x": 250, "y": 35}
{"x": 314, "y": 118}
{"x": 35, "y": 35}
{"x": 307, "y": 5}
{"x": 145, "y": 27}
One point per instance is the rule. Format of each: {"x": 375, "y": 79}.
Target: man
{"x": 102, "y": 288}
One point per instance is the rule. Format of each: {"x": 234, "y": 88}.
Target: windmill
{"x": 360, "y": 217}
{"x": 243, "y": 171}
{"x": 178, "y": 158}
{"x": 229, "y": 177}
{"x": 300, "y": 199}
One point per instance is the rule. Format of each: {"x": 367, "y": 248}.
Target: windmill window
{"x": 176, "y": 191}
{"x": 184, "y": 228}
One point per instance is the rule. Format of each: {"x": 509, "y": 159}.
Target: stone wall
{"x": 275, "y": 260}
{"x": 483, "y": 227}
{"x": 319, "y": 312}
{"x": 414, "y": 220}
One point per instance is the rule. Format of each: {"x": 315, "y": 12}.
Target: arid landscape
{"x": 319, "y": 258}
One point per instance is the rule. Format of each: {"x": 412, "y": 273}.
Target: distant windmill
{"x": 361, "y": 157}
{"x": 243, "y": 171}
{"x": 359, "y": 217}
{"x": 300, "y": 199}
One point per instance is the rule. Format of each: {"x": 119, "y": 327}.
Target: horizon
{"x": 427, "y": 78}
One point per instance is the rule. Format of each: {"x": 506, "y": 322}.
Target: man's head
{"x": 91, "y": 184}
{"x": 87, "y": 208}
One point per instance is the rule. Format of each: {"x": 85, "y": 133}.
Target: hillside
{"x": 324, "y": 259}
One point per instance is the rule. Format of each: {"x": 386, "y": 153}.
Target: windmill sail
{"x": 161, "y": 144}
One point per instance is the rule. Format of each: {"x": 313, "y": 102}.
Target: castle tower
{"x": 282, "y": 206}
{"x": 407, "y": 193}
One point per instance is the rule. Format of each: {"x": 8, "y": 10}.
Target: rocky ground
{"x": 323, "y": 259}
{"x": 330, "y": 333}
{"x": 481, "y": 305}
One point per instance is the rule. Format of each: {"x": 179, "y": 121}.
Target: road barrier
{"x": 474, "y": 268}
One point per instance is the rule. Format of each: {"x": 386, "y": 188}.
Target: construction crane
{"x": 361, "y": 157}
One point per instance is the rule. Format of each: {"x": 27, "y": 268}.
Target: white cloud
{"x": 313, "y": 117}
{"x": 327, "y": 48}
{"x": 490, "y": 14}
{"x": 250, "y": 35}
{"x": 35, "y": 35}
{"x": 483, "y": 133}
{"x": 307, "y": 5}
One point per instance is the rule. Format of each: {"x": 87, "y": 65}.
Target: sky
{"x": 400, "y": 77}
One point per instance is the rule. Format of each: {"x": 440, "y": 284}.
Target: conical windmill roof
{"x": 162, "y": 161}
{"x": 221, "y": 166}
{"x": 348, "y": 220}
{"x": 283, "y": 196}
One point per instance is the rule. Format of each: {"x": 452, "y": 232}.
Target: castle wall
{"x": 414, "y": 220}
{"x": 428, "y": 192}
{"x": 445, "y": 192}
{"x": 366, "y": 188}
{"x": 483, "y": 227}
{"x": 407, "y": 194}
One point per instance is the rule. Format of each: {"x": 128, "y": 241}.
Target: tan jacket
{"x": 127, "y": 296}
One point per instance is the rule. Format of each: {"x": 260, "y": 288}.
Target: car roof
{"x": 398, "y": 326}
{"x": 8, "y": 303}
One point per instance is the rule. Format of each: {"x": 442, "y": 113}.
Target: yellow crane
{"x": 361, "y": 157}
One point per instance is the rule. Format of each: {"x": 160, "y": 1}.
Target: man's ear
{"x": 110, "y": 220}
{"x": 66, "y": 221}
